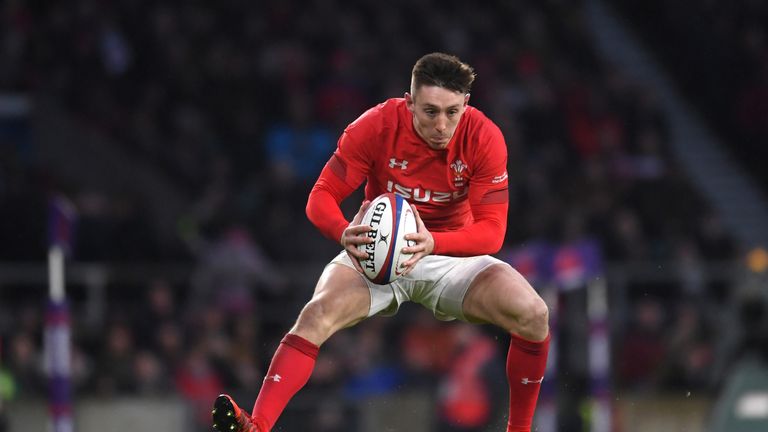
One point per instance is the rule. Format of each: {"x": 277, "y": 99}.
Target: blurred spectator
{"x": 113, "y": 228}
{"x": 297, "y": 149}
{"x": 198, "y": 382}
{"x": 114, "y": 373}
{"x": 152, "y": 378}
{"x": 82, "y": 366}
{"x": 714, "y": 242}
{"x": 242, "y": 358}
{"x": 343, "y": 96}
{"x": 469, "y": 396}
{"x": 211, "y": 331}
{"x": 332, "y": 416}
{"x": 427, "y": 347}
{"x": 22, "y": 198}
{"x": 370, "y": 371}
{"x": 7, "y": 392}
{"x": 691, "y": 269}
{"x": 627, "y": 240}
{"x": 642, "y": 353}
{"x": 689, "y": 353}
{"x": 169, "y": 344}
{"x": 158, "y": 308}
{"x": 233, "y": 268}
{"x": 24, "y": 363}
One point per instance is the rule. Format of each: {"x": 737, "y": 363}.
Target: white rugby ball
{"x": 390, "y": 218}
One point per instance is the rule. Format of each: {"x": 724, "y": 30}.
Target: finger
{"x": 413, "y": 249}
{"x": 407, "y": 265}
{"x": 357, "y": 254}
{"x": 363, "y": 208}
{"x": 410, "y": 264}
{"x": 356, "y": 263}
{"x": 359, "y": 240}
{"x": 419, "y": 223}
{"x": 358, "y": 229}
{"x": 414, "y": 237}
{"x": 357, "y": 235}
{"x": 353, "y": 246}
{"x": 413, "y": 260}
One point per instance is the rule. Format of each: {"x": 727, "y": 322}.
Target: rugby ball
{"x": 390, "y": 218}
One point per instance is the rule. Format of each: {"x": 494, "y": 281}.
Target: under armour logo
{"x": 529, "y": 381}
{"x": 402, "y": 164}
{"x": 275, "y": 378}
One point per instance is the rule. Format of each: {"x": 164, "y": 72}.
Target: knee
{"x": 321, "y": 318}
{"x": 533, "y": 321}
{"x": 315, "y": 315}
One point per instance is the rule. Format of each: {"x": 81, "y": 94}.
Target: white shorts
{"x": 437, "y": 282}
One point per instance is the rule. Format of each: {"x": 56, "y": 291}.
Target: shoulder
{"x": 373, "y": 128}
{"x": 379, "y": 118}
{"x": 484, "y": 132}
{"x": 479, "y": 123}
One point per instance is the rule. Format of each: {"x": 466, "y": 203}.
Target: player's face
{"x": 436, "y": 113}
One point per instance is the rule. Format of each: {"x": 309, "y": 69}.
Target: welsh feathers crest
{"x": 458, "y": 167}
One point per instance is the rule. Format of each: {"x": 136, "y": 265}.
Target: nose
{"x": 441, "y": 124}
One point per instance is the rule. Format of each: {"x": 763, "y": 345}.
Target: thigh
{"x": 500, "y": 295}
{"x": 449, "y": 279}
{"x": 384, "y": 300}
{"x": 341, "y": 299}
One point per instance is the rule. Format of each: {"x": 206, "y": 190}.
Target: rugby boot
{"x": 228, "y": 417}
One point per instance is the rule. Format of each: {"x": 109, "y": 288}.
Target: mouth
{"x": 438, "y": 143}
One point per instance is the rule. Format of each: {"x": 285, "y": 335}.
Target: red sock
{"x": 290, "y": 369}
{"x": 526, "y": 362}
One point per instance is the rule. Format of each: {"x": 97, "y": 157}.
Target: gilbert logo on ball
{"x": 390, "y": 218}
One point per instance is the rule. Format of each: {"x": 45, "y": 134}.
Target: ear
{"x": 408, "y": 101}
{"x": 466, "y": 99}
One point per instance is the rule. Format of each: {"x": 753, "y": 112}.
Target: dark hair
{"x": 442, "y": 70}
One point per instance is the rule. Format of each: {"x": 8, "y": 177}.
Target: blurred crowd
{"x": 726, "y": 43}
{"x": 240, "y": 105}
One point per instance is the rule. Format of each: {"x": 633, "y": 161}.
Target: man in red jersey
{"x": 448, "y": 160}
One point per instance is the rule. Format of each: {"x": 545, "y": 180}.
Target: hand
{"x": 424, "y": 246}
{"x": 355, "y": 235}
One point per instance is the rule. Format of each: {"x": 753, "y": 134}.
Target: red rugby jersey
{"x": 461, "y": 192}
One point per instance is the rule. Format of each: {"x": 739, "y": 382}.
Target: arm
{"x": 343, "y": 173}
{"x": 483, "y": 236}
{"x": 337, "y": 180}
{"x": 323, "y": 206}
{"x": 324, "y": 212}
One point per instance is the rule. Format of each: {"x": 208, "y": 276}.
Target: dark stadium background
{"x": 187, "y": 136}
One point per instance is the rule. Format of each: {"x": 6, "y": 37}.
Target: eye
{"x": 452, "y": 113}
{"x": 430, "y": 112}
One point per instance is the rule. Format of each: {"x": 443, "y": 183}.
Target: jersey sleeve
{"x": 343, "y": 173}
{"x": 488, "y": 199}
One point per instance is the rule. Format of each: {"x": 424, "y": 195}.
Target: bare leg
{"x": 341, "y": 299}
{"x": 500, "y": 295}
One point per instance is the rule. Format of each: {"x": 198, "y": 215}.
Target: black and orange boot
{"x": 228, "y": 417}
